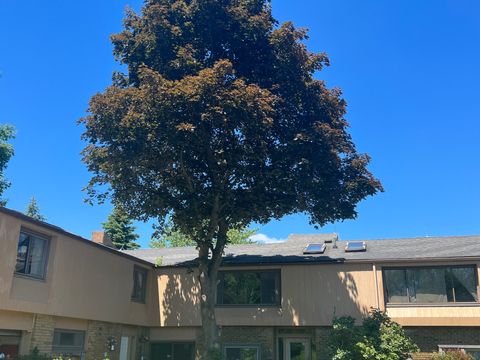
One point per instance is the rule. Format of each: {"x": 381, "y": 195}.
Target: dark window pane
{"x": 67, "y": 339}
{"x": 162, "y": 351}
{"x": 270, "y": 287}
{"x": 139, "y": 284}
{"x": 183, "y": 351}
{"x": 173, "y": 351}
{"x": 67, "y": 342}
{"x": 233, "y": 354}
{"x": 297, "y": 351}
{"x": 31, "y": 255}
{"x": 22, "y": 253}
{"x": 248, "y": 288}
{"x": 430, "y": 285}
{"x": 464, "y": 284}
{"x": 396, "y": 286}
{"x": 36, "y": 257}
{"x": 241, "y": 353}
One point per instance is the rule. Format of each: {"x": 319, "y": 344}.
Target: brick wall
{"x": 96, "y": 342}
{"x": 321, "y": 342}
{"x": 263, "y": 336}
{"x": 428, "y": 338}
{"x": 42, "y": 334}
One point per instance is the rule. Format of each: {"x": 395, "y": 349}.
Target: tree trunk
{"x": 208, "y": 275}
{"x": 208, "y": 284}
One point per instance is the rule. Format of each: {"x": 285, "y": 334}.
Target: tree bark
{"x": 208, "y": 275}
{"x": 207, "y": 306}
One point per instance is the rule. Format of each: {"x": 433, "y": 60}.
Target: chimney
{"x": 100, "y": 237}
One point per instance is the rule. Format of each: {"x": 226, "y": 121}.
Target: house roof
{"x": 59, "y": 230}
{"x": 291, "y": 251}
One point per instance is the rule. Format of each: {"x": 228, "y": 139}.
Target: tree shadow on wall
{"x": 314, "y": 290}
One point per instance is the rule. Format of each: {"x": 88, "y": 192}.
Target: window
{"x": 249, "y": 288}
{"x": 68, "y": 342}
{"x": 173, "y": 351}
{"x": 32, "y": 255}
{"x": 473, "y": 350}
{"x": 139, "y": 284}
{"x": 354, "y": 246}
{"x": 241, "y": 352}
{"x": 315, "y": 249}
{"x": 446, "y": 284}
{"x": 10, "y": 343}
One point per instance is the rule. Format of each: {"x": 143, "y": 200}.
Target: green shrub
{"x": 378, "y": 338}
{"x": 453, "y": 355}
{"x": 34, "y": 355}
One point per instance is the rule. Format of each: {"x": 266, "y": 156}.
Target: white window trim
{"x": 462, "y": 347}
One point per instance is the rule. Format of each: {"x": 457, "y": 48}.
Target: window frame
{"x": 279, "y": 298}
{"x": 45, "y": 256}
{"x": 432, "y": 304}
{"x": 463, "y": 348}
{"x": 241, "y": 346}
{"x": 63, "y": 349}
{"x": 143, "y": 298}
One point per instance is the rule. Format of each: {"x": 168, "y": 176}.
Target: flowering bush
{"x": 453, "y": 355}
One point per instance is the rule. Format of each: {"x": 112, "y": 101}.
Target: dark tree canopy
{"x": 121, "y": 231}
{"x": 219, "y": 122}
{"x": 220, "y": 110}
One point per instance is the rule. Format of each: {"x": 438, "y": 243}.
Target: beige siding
{"x": 10, "y": 320}
{"x": 82, "y": 281}
{"x": 436, "y": 315}
{"x": 311, "y": 295}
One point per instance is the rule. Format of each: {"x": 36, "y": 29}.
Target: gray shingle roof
{"x": 291, "y": 251}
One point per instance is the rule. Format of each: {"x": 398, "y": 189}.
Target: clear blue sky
{"x": 409, "y": 70}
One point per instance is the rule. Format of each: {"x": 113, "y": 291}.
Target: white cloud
{"x": 265, "y": 239}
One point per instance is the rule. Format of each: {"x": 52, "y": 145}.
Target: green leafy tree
{"x": 168, "y": 236}
{"x": 7, "y": 132}
{"x": 378, "y": 338}
{"x": 220, "y": 122}
{"x": 33, "y": 210}
{"x": 121, "y": 231}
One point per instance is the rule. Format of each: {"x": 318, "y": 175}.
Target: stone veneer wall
{"x": 428, "y": 338}
{"x": 96, "y": 340}
{"x": 42, "y": 334}
{"x": 266, "y": 338}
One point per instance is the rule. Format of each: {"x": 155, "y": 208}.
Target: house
{"x": 64, "y": 294}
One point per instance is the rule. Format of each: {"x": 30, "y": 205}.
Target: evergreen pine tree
{"x": 121, "y": 231}
{"x": 33, "y": 210}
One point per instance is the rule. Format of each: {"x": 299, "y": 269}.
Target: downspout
{"x": 375, "y": 279}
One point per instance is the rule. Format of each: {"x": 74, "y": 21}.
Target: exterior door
{"x": 124, "y": 348}
{"x": 297, "y": 349}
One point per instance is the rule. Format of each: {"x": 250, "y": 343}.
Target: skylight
{"x": 315, "y": 249}
{"x": 353, "y": 246}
